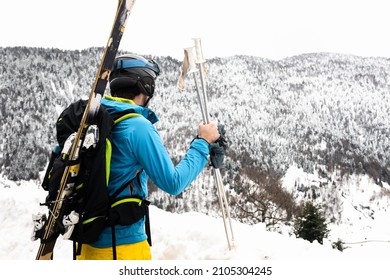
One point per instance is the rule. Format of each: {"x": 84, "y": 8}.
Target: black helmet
{"x": 133, "y": 70}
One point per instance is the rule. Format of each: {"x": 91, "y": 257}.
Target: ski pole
{"x": 193, "y": 69}
{"x": 225, "y": 209}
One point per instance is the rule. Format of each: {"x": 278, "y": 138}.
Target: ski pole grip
{"x": 198, "y": 49}
{"x": 130, "y": 4}
{"x": 189, "y": 52}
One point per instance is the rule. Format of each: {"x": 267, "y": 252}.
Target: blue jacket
{"x": 138, "y": 148}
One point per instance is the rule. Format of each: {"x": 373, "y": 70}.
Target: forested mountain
{"x": 321, "y": 112}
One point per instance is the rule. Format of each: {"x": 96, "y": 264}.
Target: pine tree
{"x": 311, "y": 224}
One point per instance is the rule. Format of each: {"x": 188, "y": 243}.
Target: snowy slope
{"x": 188, "y": 236}
{"x": 358, "y": 206}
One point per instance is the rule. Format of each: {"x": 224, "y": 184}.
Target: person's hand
{"x": 208, "y": 132}
{"x": 217, "y": 149}
{"x": 217, "y": 155}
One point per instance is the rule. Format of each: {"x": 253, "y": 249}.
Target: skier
{"x": 138, "y": 153}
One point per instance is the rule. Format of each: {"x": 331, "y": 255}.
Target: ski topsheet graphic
{"x": 52, "y": 225}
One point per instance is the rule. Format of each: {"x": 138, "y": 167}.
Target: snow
{"x": 191, "y": 238}
{"x": 358, "y": 204}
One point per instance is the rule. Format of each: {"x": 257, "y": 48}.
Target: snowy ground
{"x": 190, "y": 236}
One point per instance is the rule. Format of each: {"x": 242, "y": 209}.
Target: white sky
{"x": 266, "y": 28}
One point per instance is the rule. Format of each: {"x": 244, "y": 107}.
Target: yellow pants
{"x": 136, "y": 251}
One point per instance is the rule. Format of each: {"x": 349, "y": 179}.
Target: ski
{"x": 52, "y": 225}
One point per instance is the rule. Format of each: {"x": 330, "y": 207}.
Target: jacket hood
{"x": 116, "y": 105}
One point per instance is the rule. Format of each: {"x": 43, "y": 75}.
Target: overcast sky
{"x": 266, "y": 28}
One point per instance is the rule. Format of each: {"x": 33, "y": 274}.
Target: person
{"x": 138, "y": 152}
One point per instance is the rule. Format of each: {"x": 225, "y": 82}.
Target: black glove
{"x": 222, "y": 140}
{"x": 217, "y": 149}
{"x": 217, "y": 154}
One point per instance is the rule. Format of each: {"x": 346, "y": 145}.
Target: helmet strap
{"x": 147, "y": 101}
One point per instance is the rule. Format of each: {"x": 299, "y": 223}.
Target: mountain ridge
{"x": 320, "y": 112}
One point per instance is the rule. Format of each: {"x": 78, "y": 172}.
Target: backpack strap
{"x": 147, "y": 226}
{"x": 111, "y": 222}
{"x": 126, "y": 114}
{"x": 118, "y": 117}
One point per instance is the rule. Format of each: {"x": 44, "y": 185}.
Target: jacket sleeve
{"x": 151, "y": 154}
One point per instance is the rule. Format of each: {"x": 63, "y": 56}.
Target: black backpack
{"x": 89, "y": 208}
